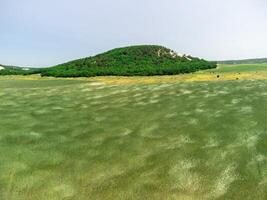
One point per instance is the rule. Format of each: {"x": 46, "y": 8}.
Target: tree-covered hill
{"x": 142, "y": 60}
{"x": 13, "y": 70}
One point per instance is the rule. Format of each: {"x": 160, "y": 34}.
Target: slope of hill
{"x": 142, "y": 60}
{"x": 13, "y": 70}
{"x": 245, "y": 61}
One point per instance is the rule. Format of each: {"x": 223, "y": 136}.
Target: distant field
{"x": 80, "y": 139}
{"x": 241, "y": 68}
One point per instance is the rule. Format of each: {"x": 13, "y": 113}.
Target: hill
{"x": 245, "y": 61}
{"x": 14, "y": 70}
{"x": 142, "y": 60}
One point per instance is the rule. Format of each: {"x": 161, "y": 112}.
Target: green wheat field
{"x": 80, "y": 139}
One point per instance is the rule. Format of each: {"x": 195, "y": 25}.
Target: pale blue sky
{"x": 48, "y": 32}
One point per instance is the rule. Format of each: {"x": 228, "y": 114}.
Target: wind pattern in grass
{"x": 73, "y": 139}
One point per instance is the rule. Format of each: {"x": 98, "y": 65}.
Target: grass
{"x": 98, "y": 139}
{"x": 241, "y": 68}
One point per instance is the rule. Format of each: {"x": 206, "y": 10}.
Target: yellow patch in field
{"x": 197, "y": 77}
{"x": 121, "y": 80}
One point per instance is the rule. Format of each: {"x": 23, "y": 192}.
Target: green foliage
{"x": 10, "y": 70}
{"x": 143, "y": 60}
